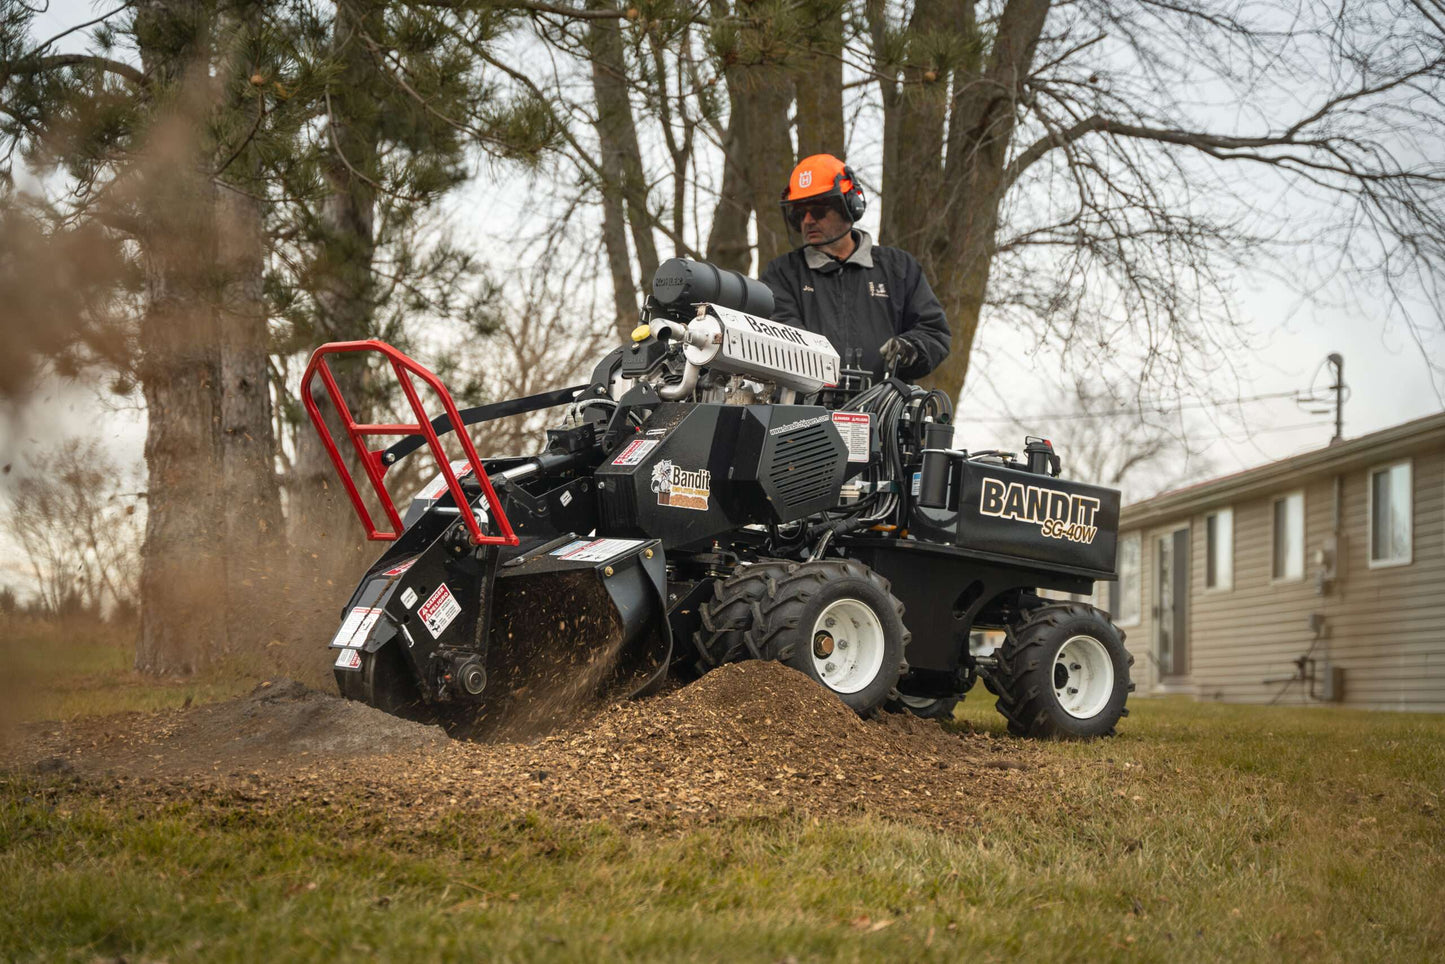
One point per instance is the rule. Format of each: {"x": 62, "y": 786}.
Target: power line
{"x": 1152, "y": 408}
{"x": 1262, "y": 431}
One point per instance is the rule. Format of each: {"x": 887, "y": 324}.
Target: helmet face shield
{"x": 795, "y": 211}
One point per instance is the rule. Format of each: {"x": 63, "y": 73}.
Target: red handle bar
{"x": 405, "y": 368}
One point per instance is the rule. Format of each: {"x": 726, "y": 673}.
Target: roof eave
{"x": 1345, "y": 456}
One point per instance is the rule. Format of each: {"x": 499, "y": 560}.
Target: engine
{"x": 702, "y": 318}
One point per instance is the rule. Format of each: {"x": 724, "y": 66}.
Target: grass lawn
{"x": 57, "y": 671}
{"x": 1202, "y": 832}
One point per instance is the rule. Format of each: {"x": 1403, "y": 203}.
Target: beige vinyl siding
{"x": 1384, "y": 626}
{"x": 1254, "y": 631}
{"x": 1139, "y": 639}
{"x": 1388, "y": 624}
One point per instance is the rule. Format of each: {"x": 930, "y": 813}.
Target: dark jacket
{"x": 860, "y": 303}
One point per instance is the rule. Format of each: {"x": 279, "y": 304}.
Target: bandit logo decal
{"x": 681, "y": 488}
{"x": 1059, "y": 515}
{"x": 785, "y": 332}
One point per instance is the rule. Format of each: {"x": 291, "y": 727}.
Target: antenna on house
{"x": 1312, "y": 403}
{"x": 1338, "y": 362}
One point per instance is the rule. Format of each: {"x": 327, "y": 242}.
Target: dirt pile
{"x": 280, "y": 724}
{"x": 751, "y": 738}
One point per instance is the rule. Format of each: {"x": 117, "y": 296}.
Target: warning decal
{"x": 635, "y": 452}
{"x": 853, "y": 426}
{"x": 400, "y": 568}
{"x": 439, "y": 610}
{"x": 438, "y": 485}
{"x": 596, "y": 550}
{"x": 356, "y": 627}
{"x": 348, "y": 659}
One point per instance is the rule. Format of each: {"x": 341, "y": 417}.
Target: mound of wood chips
{"x": 751, "y": 738}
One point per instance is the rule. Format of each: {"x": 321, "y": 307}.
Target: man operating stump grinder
{"x": 871, "y": 301}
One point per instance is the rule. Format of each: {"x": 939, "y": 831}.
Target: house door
{"x": 1171, "y": 603}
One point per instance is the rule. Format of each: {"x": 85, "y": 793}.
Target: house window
{"x": 1124, "y": 594}
{"x": 1219, "y": 549}
{"x": 1391, "y": 517}
{"x": 1289, "y": 537}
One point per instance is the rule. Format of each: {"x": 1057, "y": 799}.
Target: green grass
{"x": 1202, "y": 832}
{"x": 57, "y": 671}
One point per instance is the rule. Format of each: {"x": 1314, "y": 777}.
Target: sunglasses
{"x": 797, "y": 212}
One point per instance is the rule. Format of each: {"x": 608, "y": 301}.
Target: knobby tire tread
{"x": 1020, "y": 701}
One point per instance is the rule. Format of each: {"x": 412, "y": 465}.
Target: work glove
{"x": 898, "y": 353}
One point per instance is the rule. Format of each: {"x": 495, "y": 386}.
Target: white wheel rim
{"x": 917, "y": 702}
{"x": 847, "y": 645}
{"x": 1083, "y": 677}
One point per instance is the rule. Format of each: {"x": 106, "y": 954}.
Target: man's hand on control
{"x": 898, "y": 352}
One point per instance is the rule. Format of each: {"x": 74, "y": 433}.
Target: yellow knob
{"x": 641, "y": 333}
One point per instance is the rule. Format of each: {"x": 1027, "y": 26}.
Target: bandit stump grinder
{"x": 723, "y": 488}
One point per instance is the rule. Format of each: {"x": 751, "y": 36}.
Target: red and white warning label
{"x": 348, "y": 659}
{"x": 635, "y": 452}
{"x": 439, "y": 610}
{"x": 853, "y": 426}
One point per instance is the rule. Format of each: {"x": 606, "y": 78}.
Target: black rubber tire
{"x": 1025, "y": 673}
{"x": 783, "y": 619}
{"x": 727, "y": 616}
{"x": 935, "y": 709}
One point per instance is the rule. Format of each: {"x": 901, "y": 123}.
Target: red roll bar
{"x": 405, "y": 368}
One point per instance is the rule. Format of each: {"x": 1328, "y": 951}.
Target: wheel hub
{"x": 848, "y": 645}
{"x": 1083, "y": 677}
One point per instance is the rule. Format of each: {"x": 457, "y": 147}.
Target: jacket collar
{"x": 862, "y": 254}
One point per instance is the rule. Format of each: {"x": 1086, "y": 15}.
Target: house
{"x": 1317, "y": 578}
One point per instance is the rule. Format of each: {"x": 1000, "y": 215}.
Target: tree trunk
{"x": 891, "y": 97}
{"x": 913, "y": 180}
{"x": 619, "y": 263}
{"x": 765, "y": 92}
{"x": 961, "y": 283}
{"x": 256, "y": 549}
{"x": 818, "y": 77}
{"x": 326, "y": 539}
{"x": 943, "y": 199}
{"x": 980, "y": 134}
{"x": 727, "y": 239}
{"x": 614, "y": 113}
{"x": 183, "y": 575}
{"x": 620, "y": 156}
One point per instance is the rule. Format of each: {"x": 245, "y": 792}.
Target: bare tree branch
{"x": 36, "y": 65}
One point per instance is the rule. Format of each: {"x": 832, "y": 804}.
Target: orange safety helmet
{"x": 824, "y": 176}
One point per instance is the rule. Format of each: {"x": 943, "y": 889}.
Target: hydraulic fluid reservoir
{"x": 936, "y": 477}
{"x": 1040, "y": 453}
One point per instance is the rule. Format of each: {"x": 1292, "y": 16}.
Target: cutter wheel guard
{"x": 722, "y": 488}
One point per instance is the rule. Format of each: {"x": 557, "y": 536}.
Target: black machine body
{"x": 720, "y": 461}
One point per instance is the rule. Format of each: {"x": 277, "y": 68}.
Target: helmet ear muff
{"x": 853, "y": 202}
